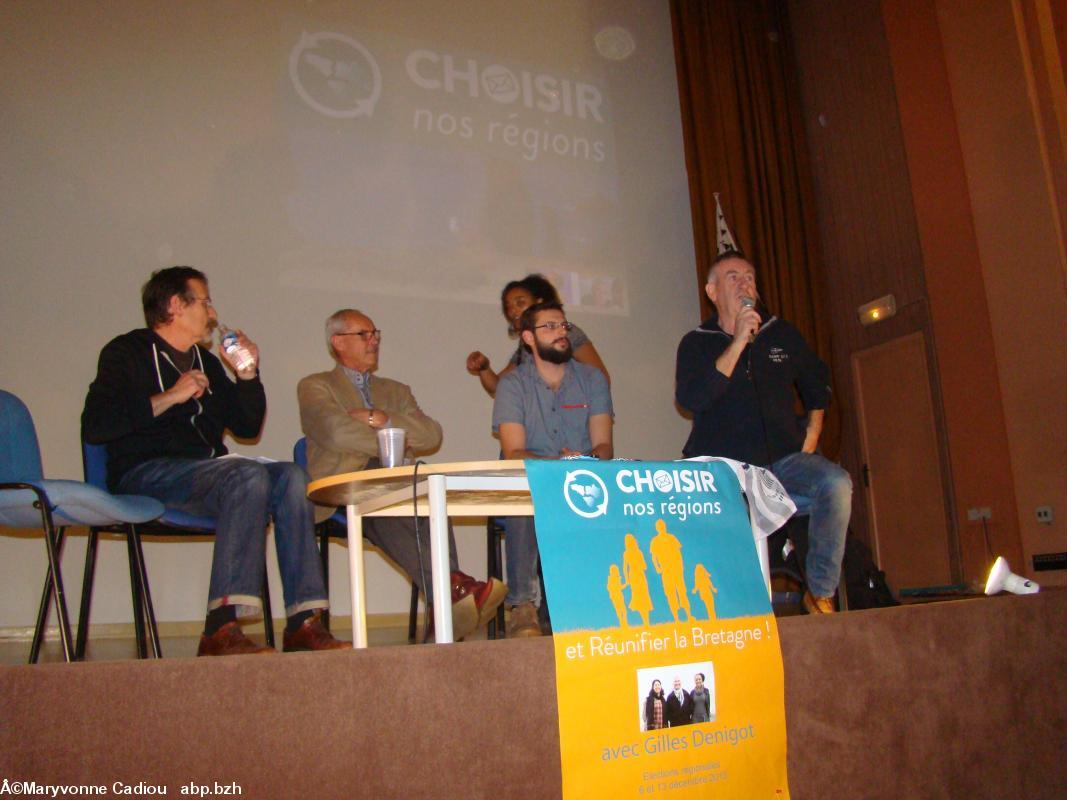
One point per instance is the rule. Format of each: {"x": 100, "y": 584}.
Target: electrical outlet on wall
{"x": 1044, "y": 514}
{"x": 979, "y": 513}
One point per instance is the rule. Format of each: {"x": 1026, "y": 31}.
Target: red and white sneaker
{"x": 474, "y": 602}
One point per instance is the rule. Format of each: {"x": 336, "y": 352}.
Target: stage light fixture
{"x": 1002, "y": 579}
{"x": 877, "y": 310}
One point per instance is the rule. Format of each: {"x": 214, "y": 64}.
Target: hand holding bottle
{"x": 240, "y": 351}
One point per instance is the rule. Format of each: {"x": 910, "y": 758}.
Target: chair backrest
{"x": 20, "y": 455}
{"x": 300, "y": 458}
{"x": 300, "y": 452}
{"x": 94, "y": 463}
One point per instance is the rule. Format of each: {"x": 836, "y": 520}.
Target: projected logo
{"x": 335, "y": 75}
{"x": 585, "y": 493}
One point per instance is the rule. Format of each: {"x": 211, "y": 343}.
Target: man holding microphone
{"x": 739, "y": 374}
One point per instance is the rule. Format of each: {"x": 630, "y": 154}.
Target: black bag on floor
{"x": 864, "y": 583}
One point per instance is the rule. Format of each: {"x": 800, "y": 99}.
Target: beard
{"x": 553, "y": 356}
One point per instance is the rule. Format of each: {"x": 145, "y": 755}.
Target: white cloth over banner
{"x": 769, "y": 505}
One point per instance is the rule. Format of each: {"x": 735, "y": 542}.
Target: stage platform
{"x": 963, "y": 699}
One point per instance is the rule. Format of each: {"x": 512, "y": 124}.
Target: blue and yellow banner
{"x": 668, "y": 665}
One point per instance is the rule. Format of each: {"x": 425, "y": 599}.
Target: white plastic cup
{"x": 391, "y": 447}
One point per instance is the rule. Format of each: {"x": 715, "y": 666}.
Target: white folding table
{"x": 460, "y": 489}
{"x": 463, "y": 489}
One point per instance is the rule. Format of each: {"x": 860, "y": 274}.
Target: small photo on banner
{"x": 668, "y": 665}
{"x": 697, "y": 704}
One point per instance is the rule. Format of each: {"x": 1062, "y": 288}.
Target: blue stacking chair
{"x": 27, "y": 500}
{"x": 171, "y": 523}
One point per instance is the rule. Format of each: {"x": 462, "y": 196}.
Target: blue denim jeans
{"x": 822, "y": 490}
{"x": 521, "y": 561}
{"x": 242, "y": 495}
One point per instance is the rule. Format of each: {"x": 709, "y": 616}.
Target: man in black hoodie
{"x": 739, "y": 374}
{"x": 161, "y": 402}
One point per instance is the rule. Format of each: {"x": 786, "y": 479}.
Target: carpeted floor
{"x": 960, "y": 699}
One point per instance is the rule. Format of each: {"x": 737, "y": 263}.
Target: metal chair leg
{"x": 53, "y": 539}
{"x": 501, "y": 531}
{"x": 42, "y": 614}
{"x": 143, "y": 592}
{"x": 60, "y": 597}
{"x": 138, "y": 605}
{"x": 45, "y": 605}
{"x": 324, "y": 557}
{"x": 841, "y": 594}
{"x": 494, "y": 559}
{"x": 87, "y": 594}
{"x": 413, "y": 614}
{"x": 490, "y": 570}
{"x": 268, "y": 616}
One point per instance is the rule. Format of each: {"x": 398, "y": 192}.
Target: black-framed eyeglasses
{"x": 364, "y": 335}
{"x": 555, "y": 326}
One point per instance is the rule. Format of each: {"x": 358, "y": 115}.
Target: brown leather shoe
{"x": 818, "y": 605}
{"x": 230, "y": 640}
{"x": 522, "y": 622}
{"x": 312, "y": 636}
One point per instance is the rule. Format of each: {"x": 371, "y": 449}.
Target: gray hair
{"x": 335, "y": 324}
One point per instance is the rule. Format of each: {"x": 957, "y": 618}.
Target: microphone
{"x": 749, "y": 302}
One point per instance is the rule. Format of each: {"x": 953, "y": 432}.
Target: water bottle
{"x": 228, "y": 341}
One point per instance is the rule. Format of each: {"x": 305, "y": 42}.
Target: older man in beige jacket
{"x": 341, "y": 412}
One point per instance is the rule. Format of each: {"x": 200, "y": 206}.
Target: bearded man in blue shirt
{"x": 550, "y": 406}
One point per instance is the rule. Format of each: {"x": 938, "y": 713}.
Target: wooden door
{"x": 911, "y": 535}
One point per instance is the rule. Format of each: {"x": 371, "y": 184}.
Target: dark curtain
{"x": 744, "y": 138}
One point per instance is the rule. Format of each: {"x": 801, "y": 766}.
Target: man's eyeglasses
{"x": 555, "y": 326}
{"x": 364, "y": 335}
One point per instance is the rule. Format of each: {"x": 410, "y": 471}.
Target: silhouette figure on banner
{"x": 615, "y": 587}
{"x": 634, "y": 567}
{"x": 703, "y": 586}
{"x": 666, "y": 553}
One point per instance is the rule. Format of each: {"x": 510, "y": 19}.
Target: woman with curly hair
{"x": 516, "y": 298}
